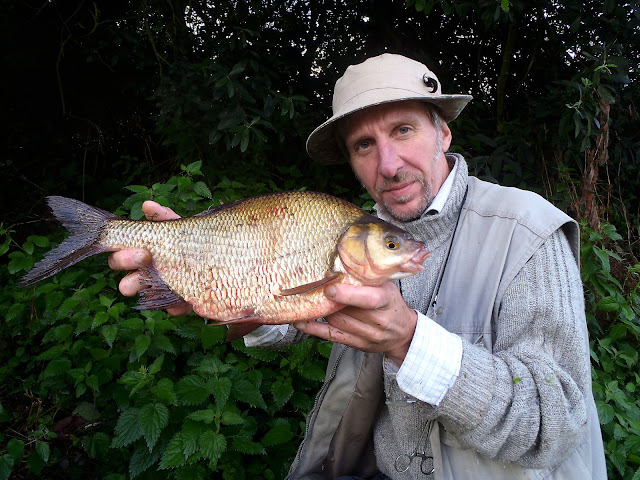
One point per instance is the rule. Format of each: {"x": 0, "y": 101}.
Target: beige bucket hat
{"x": 383, "y": 79}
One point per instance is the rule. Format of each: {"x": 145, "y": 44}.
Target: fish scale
{"x": 260, "y": 260}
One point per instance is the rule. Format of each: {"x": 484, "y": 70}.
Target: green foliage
{"x": 613, "y": 315}
{"x": 91, "y": 387}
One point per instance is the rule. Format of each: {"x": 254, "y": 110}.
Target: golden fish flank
{"x": 264, "y": 259}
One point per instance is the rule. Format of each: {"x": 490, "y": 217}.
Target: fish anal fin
{"x": 157, "y": 295}
{"x": 310, "y": 287}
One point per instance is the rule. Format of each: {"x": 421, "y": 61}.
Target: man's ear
{"x": 446, "y": 136}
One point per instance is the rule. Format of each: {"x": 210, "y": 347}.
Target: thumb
{"x": 155, "y": 211}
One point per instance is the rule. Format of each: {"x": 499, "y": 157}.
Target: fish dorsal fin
{"x": 158, "y": 295}
{"x": 310, "y": 287}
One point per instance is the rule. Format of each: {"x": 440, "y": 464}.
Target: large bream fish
{"x": 262, "y": 260}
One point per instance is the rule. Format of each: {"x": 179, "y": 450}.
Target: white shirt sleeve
{"x": 432, "y": 363}
{"x": 265, "y": 335}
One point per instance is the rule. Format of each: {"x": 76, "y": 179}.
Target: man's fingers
{"x": 327, "y": 332}
{"x": 130, "y": 285}
{"x": 155, "y": 211}
{"x": 130, "y": 259}
{"x": 368, "y": 298}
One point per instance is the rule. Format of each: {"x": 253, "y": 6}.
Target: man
{"x": 477, "y": 367}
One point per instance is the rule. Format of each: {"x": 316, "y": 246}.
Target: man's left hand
{"x": 375, "y": 319}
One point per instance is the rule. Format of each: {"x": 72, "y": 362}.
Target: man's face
{"x": 398, "y": 155}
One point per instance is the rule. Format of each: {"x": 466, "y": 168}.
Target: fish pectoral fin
{"x": 158, "y": 295}
{"x": 239, "y": 327}
{"x": 310, "y": 287}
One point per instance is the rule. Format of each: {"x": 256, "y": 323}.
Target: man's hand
{"x": 375, "y": 319}
{"x": 132, "y": 259}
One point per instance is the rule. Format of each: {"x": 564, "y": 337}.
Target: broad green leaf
{"x": 56, "y": 367}
{"x": 277, "y": 435}
{"x": 249, "y": 392}
{"x": 213, "y": 445}
{"x": 128, "y": 428}
{"x": 142, "y": 459}
{"x": 156, "y": 365}
{"x": 232, "y": 418}
{"x": 162, "y": 342}
{"x": 54, "y": 352}
{"x": 43, "y": 450}
{"x": 109, "y": 332}
{"x": 205, "y": 416}
{"x": 282, "y": 391}
{"x": 6, "y": 465}
{"x": 173, "y": 455}
{"x": 97, "y": 445}
{"x": 141, "y": 345}
{"x": 191, "y": 432}
{"x": 15, "y": 448}
{"x": 154, "y": 417}
{"x": 191, "y": 390}
{"x": 246, "y": 445}
{"x": 164, "y": 391}
{"x": 221, "y": 389}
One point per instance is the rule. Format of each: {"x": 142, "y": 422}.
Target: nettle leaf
{"x": 128, "y": 429}
{"x": 141, "y": 345}
{"x": 56, "y": 367}
{"x": 278, "y": 435}
{"x": 232, "y": 418}
{"x": 191, "y": 432}
{"x": 281, "y": 391}
{"x": 142, "y": 459}
{"x": 97, "y": 445}
{"x": 249, "y": 391}
{"x": 154, "y": 417}
{"x": 212, "y": 445}
{"x": 191, "y": 390}
{"x": 109, "y": 332}
{"x": 246, "y": 445}
{"x": 164, "y": 391}
{"x": 53, "y": 352}
{"x": 221, "y": 390}
{"x": 162, "y": 342}
{"x": 173, "y": 455}
{"x": 205, "y": 416}
{"x": 43, "y": 450}
{"x": 6, "y": 465}
{"x": 15, "y": 448}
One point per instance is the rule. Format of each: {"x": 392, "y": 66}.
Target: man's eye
{"x": 403, "y": 130}
{"x": 363, "y": 145}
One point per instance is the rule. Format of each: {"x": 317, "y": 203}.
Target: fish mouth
{"x": 414, "y": 264}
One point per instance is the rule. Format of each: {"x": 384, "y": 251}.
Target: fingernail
{"x": 302, "y": 326}
{"x": 330, "y": 291}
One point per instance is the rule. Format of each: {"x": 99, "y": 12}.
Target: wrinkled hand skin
{"x": 375, "y": 319}
{"x": 132, "y": 259}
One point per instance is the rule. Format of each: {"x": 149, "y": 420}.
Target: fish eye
{"x": 392, "y": 242}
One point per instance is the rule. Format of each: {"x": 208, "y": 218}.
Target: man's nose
{"x": 390, "y": 162}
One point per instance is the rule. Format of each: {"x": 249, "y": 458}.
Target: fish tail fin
{"x": 85, "y": 224}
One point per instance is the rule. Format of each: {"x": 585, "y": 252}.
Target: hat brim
{"x": 322, "y": 143}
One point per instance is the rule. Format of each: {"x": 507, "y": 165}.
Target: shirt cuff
{"x": 265, "y": 335}
{"x": 432, "y": 363}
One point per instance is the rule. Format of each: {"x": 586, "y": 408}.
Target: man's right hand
{"x": 132, "y": 259}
